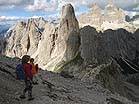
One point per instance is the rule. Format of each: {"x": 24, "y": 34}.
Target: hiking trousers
{"x": 28, "y": 88}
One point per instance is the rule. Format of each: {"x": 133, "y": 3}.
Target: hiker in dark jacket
{"x": 37, "y": 68}
{"x": 28, "y": 80}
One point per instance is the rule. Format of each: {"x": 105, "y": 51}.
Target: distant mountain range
{"x": 136, "y": 17}
{"x": 3, "y": 29}
{"x": 111, "y": 17}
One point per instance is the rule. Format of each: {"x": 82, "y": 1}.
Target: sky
{"x": 13, "y": 10}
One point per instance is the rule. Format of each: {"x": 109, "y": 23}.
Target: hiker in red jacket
{"x": 34, "y": 71}
{"x": 28, "y": 80}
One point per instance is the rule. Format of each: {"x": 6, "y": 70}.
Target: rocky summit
{"x": 109, "y": 18}
{"x": 93, "y": 17}
{"x": 78, "y": 64}
{"x": 65, "y": 43}
{"x": 23, "y": 37}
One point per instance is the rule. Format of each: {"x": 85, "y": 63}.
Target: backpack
{"x": 33, "y": 71}
{"x": 20, "y": 74}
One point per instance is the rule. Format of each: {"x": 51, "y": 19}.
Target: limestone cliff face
{"x": 111, "y": 16}
{"x": 93, "y": 17}
{"x": 52, "y": 45}
{"x": 46, "y": 44}
{"x": 96, "y": 62}
{"x": 100, "y": 47}
{"x": 114, "y": 14}
{"x": 68, "y": 34}
{"x": 23, "y": 37}
{"x": 61, "y": 42}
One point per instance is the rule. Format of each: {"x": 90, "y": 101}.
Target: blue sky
{"x": 14, "y": 10}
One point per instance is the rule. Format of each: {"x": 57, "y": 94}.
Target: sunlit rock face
{"x": 53, "y": 45}
{"x": 48, "y": 43}
{"x": 68, "y": 34}
{"x": 111, "y": 18}
{"x": 23, "y": 37}
{"x": 61, "y": 42}
{"x": 93, "y": 17}
{"x": 114, "y": 14}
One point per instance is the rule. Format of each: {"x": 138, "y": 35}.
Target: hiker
{"x": 34, "y": 71}
{"x": 37, "y": 68}
{"x": 28, "y": 77}
{"x": 0, "y": 48}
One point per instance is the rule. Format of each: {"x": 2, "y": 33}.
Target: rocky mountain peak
{"x": 46, "y": 42}
{"x": 93, "y": 17}
{"x": 95, "y": 9}
{"x": 68, "y": 19}
{"x": 112, "y": 16}
{"x": 110, "y": 7}
{"x": 68, "y": 30}
{"x": 24, "y": 36}
{"x": 67, "y": 11}
{"x": 61, "y": 41}
{"x": 39, "y": 22}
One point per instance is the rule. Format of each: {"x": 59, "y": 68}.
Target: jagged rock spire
{"x": 61, "y": 43}
{"x": 95, "y": 9}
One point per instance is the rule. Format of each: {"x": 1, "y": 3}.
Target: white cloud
{"x": 10, "y": 18}
{"x": 131, "y": 7}
{"x": 57, "y": 4}
{"x": 4, "y": 4}
{"x": 128, "y": 4}
{"x": 35, "y": 16}
{"x": 35, "y": 5}
{"x": 57, "y": 15}
{"x": 15, "y": 18}
{"x": 7, "y": 6}
{"x": 43, "y": 5}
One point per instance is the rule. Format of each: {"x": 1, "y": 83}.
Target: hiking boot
{"x": 35, "y": 83}
{"x": 30, "y": 98}
{"x": 22, "y": 97}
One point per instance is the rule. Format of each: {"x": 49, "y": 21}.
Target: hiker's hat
{"x": 25, "y": 58}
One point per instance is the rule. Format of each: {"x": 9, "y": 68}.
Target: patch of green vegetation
{"x": 76, "y": 60}
{"x": 59, "y": 66}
